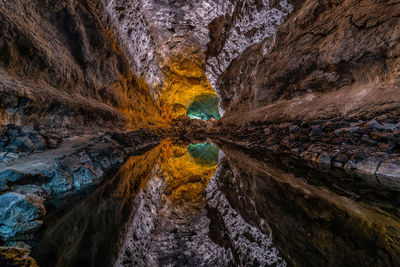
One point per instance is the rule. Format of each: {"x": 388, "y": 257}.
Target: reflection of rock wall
{"x": 52, "y": 178}
{"x": 309, "y": 224}
{"x": 249, "y": 244}
{"x": 88, "y": 234}
{"x": 170, "y": 225}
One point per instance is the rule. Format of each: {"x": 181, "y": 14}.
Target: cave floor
{"x": 188, "y": 205}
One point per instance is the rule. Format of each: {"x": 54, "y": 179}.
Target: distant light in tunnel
{"x": 205, "y": 107}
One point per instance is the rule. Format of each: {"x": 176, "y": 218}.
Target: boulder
{"x": 366, "y": 169}
{"x": 19, "y": 215}
{"x": 61, "y": 182}
{"x": 14, "y": 256}
{"x": 388, "y": 175}
{"x": 24, "y": 143}
{"x": 84, "y": 176}
{"x": 8, "y": 176}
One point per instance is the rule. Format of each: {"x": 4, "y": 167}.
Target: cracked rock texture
{"x": 322, "y": 46}
{"x": 61, "y": 67}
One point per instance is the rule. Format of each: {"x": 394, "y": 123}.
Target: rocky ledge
{"x": 362, "y": 150}
{"x": 39, "y": 169}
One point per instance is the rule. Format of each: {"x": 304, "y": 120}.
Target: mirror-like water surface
{"x": 189, "y": 205}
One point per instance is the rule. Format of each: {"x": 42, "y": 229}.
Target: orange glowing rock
{"x": 185, "y": 80}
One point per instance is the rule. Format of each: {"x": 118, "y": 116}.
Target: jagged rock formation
{"x": 311, "y": 86}
{"x": 324, "y": 91}
{"x": 60, "y": 66}
{"x": 321, "y": 47}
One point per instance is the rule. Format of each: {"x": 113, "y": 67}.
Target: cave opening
{"x": 204, "y": 106}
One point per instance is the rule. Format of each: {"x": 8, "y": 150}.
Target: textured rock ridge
{"x": 60, "y": 66}
{"x": 248, "y": 23}
{"x": 323, "y": 91}
{"x": 322, "y": 46}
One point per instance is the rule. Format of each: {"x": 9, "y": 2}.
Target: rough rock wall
{"x": 322, "y": 46}
{"x": 166, "y": 42}
{"x": 60, "y": 65}
{"x": 250, "y": 22}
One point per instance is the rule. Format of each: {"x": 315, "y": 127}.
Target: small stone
{"x": 354, "y": 124}
{"x": 84, "y": 176}
{"x": 267, "y": 131}
{"x": 12, "y": 156}
{"x": 12, "y": 133}
{"x": 62, "y": 182}
{"x": 26, "y": 130}
{"x": 6, "y": 176}
{"x": 19, "y": 214}
{"x": 316, "y": 130}
{"x": 350, "y": 165}
{"x": 366, "y": 169}
{"x": 346, "y": 130}
{"x": 365, "y": 138}
{"x": 11, "y": 175}
{"x": 24, "y": 143}
{"x": 381, "y": 135}
{"x": 389, "y": 126}
{"x": 38, "y": 141}
{"x": 107, "y": 139}
{"x": 11, "y": 148}
{"x": 373, "y": 124}
{"x": 324, "y": 160}
{"x": 293, "y": 129}
{"x": 52, "y": 142}
{"x": 386, "y": 146}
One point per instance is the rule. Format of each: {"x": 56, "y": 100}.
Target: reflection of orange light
{"x": 184, "y": 179}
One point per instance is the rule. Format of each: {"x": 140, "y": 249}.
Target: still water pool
{"x": 197, "y": 205}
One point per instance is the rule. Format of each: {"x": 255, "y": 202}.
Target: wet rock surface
{"x": 19, "y": 214}
{"x": 308, "y": 89}
{"x": 366, "y": 150}
{"x": 16, "y": 256}
{"x": 49, "y": 178}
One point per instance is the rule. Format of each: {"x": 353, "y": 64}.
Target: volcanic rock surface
{"x": 306, "y": 98}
